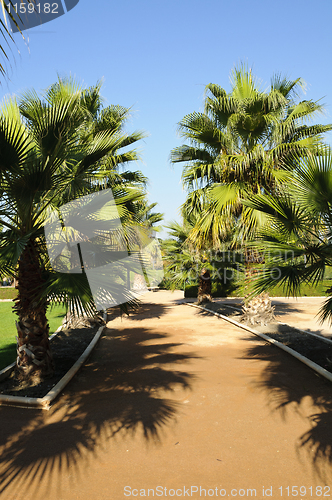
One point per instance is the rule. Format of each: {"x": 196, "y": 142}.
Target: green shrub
{"x": 217, "y": 290}
{"x": 165, "y": 284}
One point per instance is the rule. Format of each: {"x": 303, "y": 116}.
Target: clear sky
{"x": 157, "y": 56}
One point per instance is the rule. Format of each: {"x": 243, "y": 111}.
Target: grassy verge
{"x": 7, "y": 292}
{"x": 8, "y": 330}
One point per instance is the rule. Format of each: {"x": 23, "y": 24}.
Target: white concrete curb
{"x": 45, "y": 402}
{"x": 303, "y": 359}
{"x": 320, "y": 337}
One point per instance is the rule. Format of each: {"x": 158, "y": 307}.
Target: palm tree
{"x": 236, "y": 148}
{"x": 182, "y": 260}
{"x": 53, "y": 149}
{"x": 297, "y": 236}
{"x": 189, "y": 263}
{"x": 238, "y": 144}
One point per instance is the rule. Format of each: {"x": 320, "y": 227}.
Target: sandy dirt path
{"x": 174, "y": 403}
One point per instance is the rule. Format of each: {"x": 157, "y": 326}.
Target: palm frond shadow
{"x": 119, "y": 394}
{"x": 206, "y": 313}
{"x": 282, "y": 308}
{"x": 291, "y": 386}
{"x": 144, "y": 310}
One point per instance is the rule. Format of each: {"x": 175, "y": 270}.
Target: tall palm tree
{"x": 237, "y": 147}
{"x": 53, "y": 149}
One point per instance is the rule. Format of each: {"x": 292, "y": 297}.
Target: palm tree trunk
{"x": 204, "y": 287}
{"x": 257, "y": 310}
{"x": 34, "y": 359}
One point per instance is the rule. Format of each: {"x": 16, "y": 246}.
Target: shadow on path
{"x": 144, "y": 311}
{"x": 289, "y": 385}
{"x": 120, "y": 392}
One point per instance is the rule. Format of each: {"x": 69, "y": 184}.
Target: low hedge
{"x": 217, "y": 289}
{"x": 233, "y": 290}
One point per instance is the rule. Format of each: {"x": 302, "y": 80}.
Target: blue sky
{"x": 157, "y": 57}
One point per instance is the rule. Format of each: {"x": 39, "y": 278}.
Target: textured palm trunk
{"x": 34, "y": 359}
{"x": 257, "y": 310}
{"x": 204, "y": 287}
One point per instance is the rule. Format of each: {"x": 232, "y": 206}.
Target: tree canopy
{"x": 237, "y": 146}
{"x": 55, "y": 148}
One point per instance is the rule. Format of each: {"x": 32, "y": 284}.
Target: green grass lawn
{"x": 8, "y": 329}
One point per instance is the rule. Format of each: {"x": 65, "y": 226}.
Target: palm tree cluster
{"x": 55, "y": 148}
{"x": 257, "y": 173}
{"x": 243, "y": 144}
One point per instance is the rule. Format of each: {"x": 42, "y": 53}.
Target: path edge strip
{"x": 45, "y": 402}
{"x": 321, "y": 371}
{"x": 320, "y": 337}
